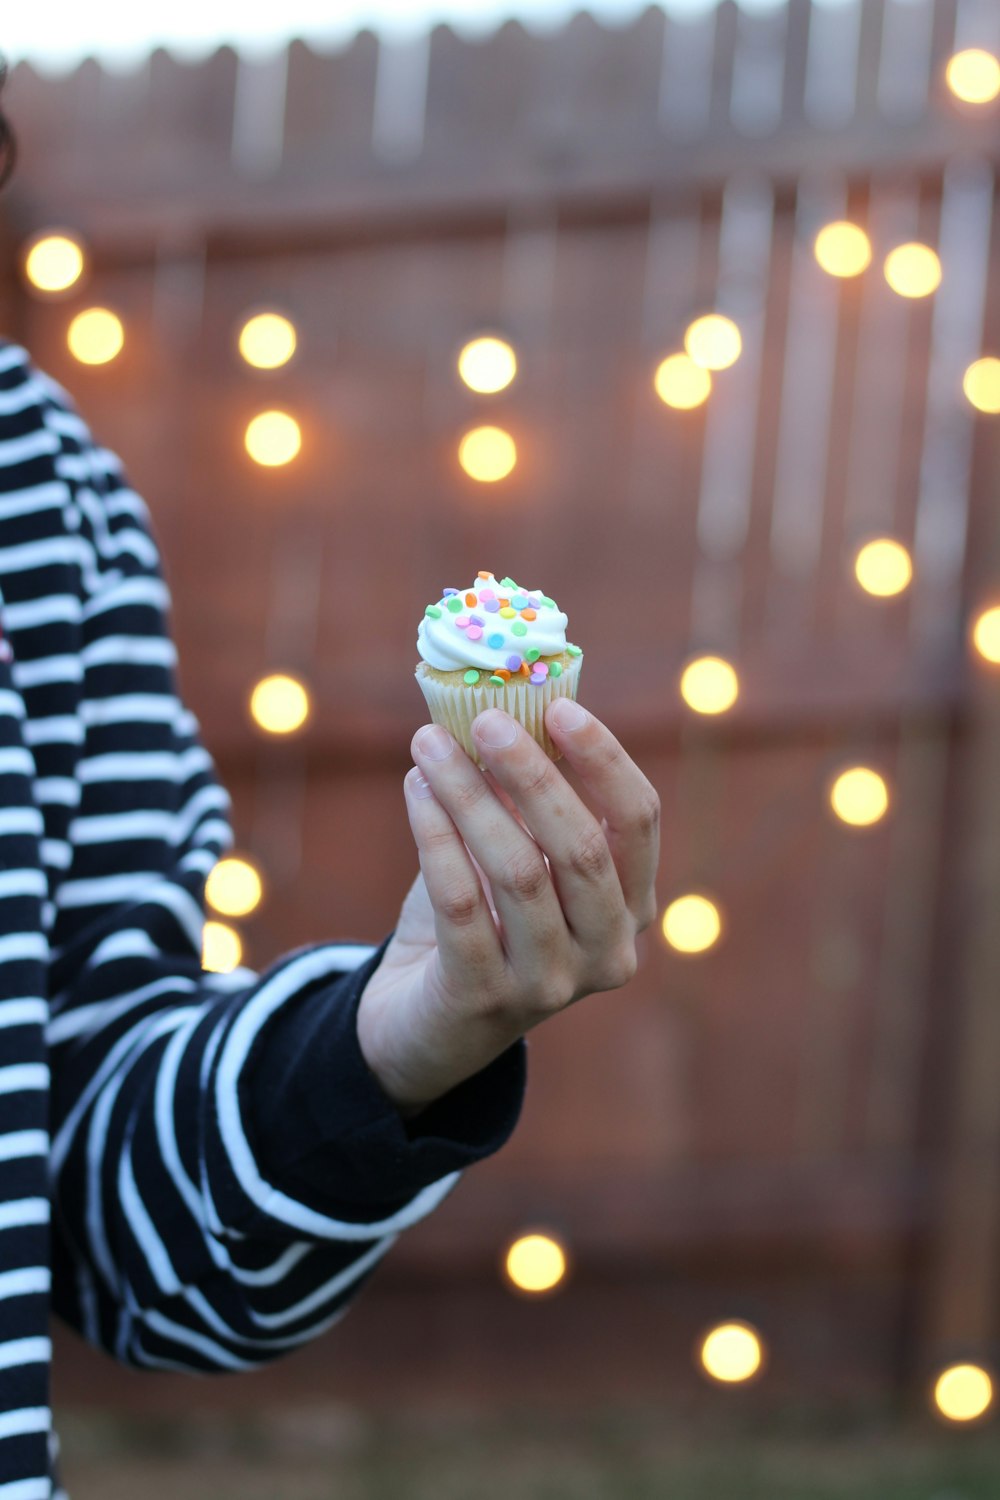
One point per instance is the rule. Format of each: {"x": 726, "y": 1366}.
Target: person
{"x": 201, "y": 1171}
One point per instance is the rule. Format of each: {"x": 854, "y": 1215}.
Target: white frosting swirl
{"x": 447, "y": 637}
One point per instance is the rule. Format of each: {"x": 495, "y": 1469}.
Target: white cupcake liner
{"x": 457, "y": 707}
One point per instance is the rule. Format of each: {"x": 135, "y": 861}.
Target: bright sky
{"x": 57, "y": 34}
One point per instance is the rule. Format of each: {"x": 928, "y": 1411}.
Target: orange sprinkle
{"x": 528, "y": 614}
{"x": 471, "y": 600}
{"x": 504, "y": 603}
{"x": 481, "y": 574}
{"x": 502, "y": 672}
{"x": 524, "y": 669}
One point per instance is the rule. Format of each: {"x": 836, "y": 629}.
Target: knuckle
{"x": 647, "y": 914}
{"x": 537, "y": 778}
{"x": 468, "y": 794}
{"x": 525, "y": 877}
{"x": 460, "y": 904}
{"x": 647, "y": 817}
{"x": 619, "y": 968}
{"x": 590, "y": 857}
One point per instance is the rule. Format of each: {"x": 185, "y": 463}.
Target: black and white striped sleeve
{"x": 226, "y": 1173}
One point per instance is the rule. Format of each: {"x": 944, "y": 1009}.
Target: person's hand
{"x": 526, "y": 900}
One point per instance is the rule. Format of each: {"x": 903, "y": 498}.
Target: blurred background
{"x": 690, "y": 318}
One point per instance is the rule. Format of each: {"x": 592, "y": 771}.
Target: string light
{"x": 710, "y": 685}
{"x": 859, "y": 796}
{"x": 692, "y": 924}
{"x": 963, "y": 1392}
{"x": 981, "y": 384}
{"x": 986, "y": 634}
{"x": 883, "y": 567}
{"x": 487, "y": 365}
{"x": 233, "y": 887}
{"x": 680, "y": 383}
{"x": 713, "y": 341}
{"x": 221, "y": 949}
{"x": 279, "y": 704}
{"x": 843, "y": 249}
{"x": 535, "y": 1264}
{"x": 53, "y": 261}
{"x": 267, "y": 341}
{"x": 487, "y": 454}
{"x": 913, "y": 270}
{"x": 95, "y": 337}
{"x": 973, "y": 76}
{"x": 273, "y": 438}
{"x": 731, "y": 1353}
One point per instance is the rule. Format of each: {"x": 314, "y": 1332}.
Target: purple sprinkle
{"x": 538, "y": 677}
{"x": 513, "y": 664}
{"x": 476, "y": 620}
{"x": 534, "y": 601}
{"x": 446, "y": 592}
{"x": 492, "y": 605}
{"x": 462, "y": 621}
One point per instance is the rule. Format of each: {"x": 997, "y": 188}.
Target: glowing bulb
{"x": 859, "y": 796}
{"x": 267, "y": 341}
{"x": 273, "y": 438}
{"x": 680, "y": 383}
{"x": 843, "y": 249}
{"x": 986, "y": 634}
{"x": 487, "y": 454}
{"x": 221, "y": 949}
{"x": 714, "y": 342}
{"x": 53, "y": 262}
{"x": 731, "y": 1352}
{"x": 692, "y": 924}
{"x": 913, "y": 270}
{"x": 487, "y": 365}
{"x": 709, "y": 685}
{"x": 233, "y": 887}
{"x": 883, "y": 567}
{"x": 963, "y": 1392}
{"x": 535, "y": 1263}
{"x": 96, "y": 336}
{"x": 973, "y": 76}
{"x": 981, "y": 384}
{"x": 279, "y": 704}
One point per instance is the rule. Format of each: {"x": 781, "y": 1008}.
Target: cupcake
{"x": 495, "y": 645}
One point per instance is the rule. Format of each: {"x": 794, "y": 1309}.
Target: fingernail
{"x": 435, "y": 742}
{"x": 567, "y": 714}
{"x": 417, "y": 785}
{"x": 495, "y": 728}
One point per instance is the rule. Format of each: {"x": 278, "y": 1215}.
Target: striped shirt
{"x": 224, "y": 1172}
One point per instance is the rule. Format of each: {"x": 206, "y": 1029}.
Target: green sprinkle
{"x": 454, "y": 605}
{"x": 549, "y": 603}
{"x": 497, "y": 681}
{"x": 532, "y": 653}
{"x": 433, "y": 611}
{"x": 508, "y": 583}
{"x": 471, "y": 677}
{"x": 519, "y": 628}
{"x": 574, "y": 650}
{"x": 555, "y": 670}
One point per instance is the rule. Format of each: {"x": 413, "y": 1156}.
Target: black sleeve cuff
{"x": 324, "y": 1131}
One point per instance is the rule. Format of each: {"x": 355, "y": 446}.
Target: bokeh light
{"x": 535, "y": 1263}
{"x": 986, "y": 634}
{"x": 221, "y": 949}
{"x": 883, "y": 567}
{"x": 279, "y": 704}
{"x": 709, "y": 685}
{"x": 731, "y": 1352}
{"x": 267, "y": 340}
{"x": 487, "y": 365}
{"x": 680, "y": 383}
{"x": 714, "y": 342}
{"x": 859, "y": 796}
{"x": 95, "y": 336}
{"x": 487, "y": 454}
{"x": 273, "y": 438}
{"x": 233, "y": 887}
{"x": 913, "y": 270}
{"x": 843, "y": 249}
{"x": 963, "y": 1392}
{"x": 973, "y": 76}
{"x": 981, "y": 384}
{"x": 692, "y": 924}
{"x": 53, "y": 262}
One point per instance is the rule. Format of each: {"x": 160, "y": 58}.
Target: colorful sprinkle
{"x": 433, "y": 612}
{"x": 548, "y": 603}
{"x": 454, "y": 605}
{"x": 475, "y": 632}
{"x": 532, "y": 653}
{"x": 519, "y": 600}
{"x": 507, "y": 613}
{"x": 575, "y": 650}
{"x": 534, "y": 601}
{"x": 471, "y": 600}
{"x": 537, "y": 678}
{"x": 497, "y": 680}
{"x": 543, "y": 667}
{"x": 445, "y": 592}
{"x": 555, "y": 670}
{"x": 481, "y": 574}
{"x": 507, "y": 583}
{"x": 504, "y": 603}
{"x": 491, "y": 605}
{"x": 471, "y": 677}
{"x": 477, "y": 620}
{"x": 519, "y": 628}
{"x": 525, "y": 669}
{"x": 485, "y": 594}
{"x": 463, "y": 622}
{"x": 494, "y": 641}
{"x": 502, "y": 673}
{"x": 514, "y": 663}
{"x": 528, "y": 614}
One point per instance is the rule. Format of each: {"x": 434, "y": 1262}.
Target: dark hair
{"x": 8, "y": 145}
